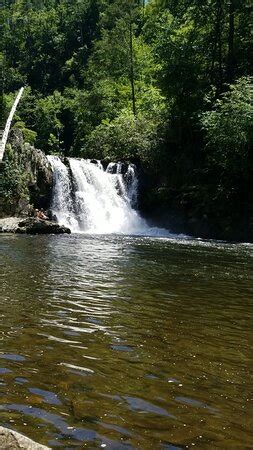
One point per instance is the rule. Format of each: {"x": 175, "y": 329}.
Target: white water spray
{"x": 62, "y": 204}
{"x": 89, "y": 199}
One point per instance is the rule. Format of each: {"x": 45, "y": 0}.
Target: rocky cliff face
{"x": 26, "y": 178}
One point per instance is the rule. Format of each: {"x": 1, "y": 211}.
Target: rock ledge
{"x": 31, "y": 225}
{"x": 12, "y": 440}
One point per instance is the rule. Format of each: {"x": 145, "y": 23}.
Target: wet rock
{"x": 41, "y": 181}
{"x": 105, "y": 162}
{"x": 12, "y": 440}
{"x": 124, "y": 168}
{"x": 33, "y": 225}
{"x": 9, "y": 225}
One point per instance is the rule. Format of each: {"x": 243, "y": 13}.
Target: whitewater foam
{"x": 89, "y": 199}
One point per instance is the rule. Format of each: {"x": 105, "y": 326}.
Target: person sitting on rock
{"x": 41, "y": 215}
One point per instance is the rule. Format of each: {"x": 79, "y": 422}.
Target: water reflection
{"x": 126, "y": 342}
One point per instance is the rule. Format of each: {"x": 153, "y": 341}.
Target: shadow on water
{"x": 126, "y": 342}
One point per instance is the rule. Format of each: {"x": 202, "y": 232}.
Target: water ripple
{"x": 128, "y": 342}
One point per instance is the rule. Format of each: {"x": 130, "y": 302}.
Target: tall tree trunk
{"x": 132, "y": 66}
{"x": 2, "y": 85}
{"x": 213, "y": 53}
{"x": 231, "y": 32}
{"x": 219, "y": 40}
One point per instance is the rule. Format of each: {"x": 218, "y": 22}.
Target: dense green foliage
{"x": 229, "y": 127}
{"x": 163, "y": 82}
{"x": 13, "y": 186}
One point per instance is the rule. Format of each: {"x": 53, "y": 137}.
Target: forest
{"x": 166, "y": 84}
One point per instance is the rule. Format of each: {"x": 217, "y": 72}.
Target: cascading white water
{"x": 62, "y": 204}
{"x": 101, "y": 198}
{"x": 87, "y": 198}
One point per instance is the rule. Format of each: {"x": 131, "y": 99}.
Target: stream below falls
{"x": 126, "y": 342}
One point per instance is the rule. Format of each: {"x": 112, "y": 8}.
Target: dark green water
{"x": 126, "y": 343}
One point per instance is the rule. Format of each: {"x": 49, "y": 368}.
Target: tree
{"x": 229, "y": 127}
{"x": 142, "y": 79}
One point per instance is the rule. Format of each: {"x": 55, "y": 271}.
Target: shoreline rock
{"x": 13, "y": 440}
{"x": 9, "y": 224}
{"x": 31, "y": 225}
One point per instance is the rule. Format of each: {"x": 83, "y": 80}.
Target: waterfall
{"x": 62, "y": 205}
{"x": 89, "y": 199}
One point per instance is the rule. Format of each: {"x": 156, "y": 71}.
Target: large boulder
{"x": 33, "y": 225}
{"x": 12, "y": 440}
{"x": 9, "y": 225}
